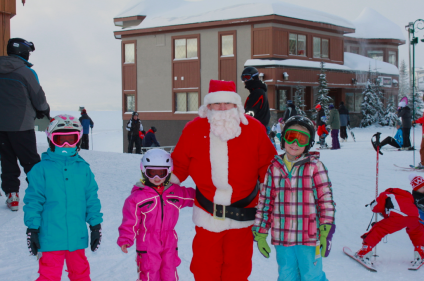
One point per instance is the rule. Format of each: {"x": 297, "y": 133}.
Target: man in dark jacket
{"x": 134, "y": 126}
{"x": 290, "y": 111}
{"x": 150, "y": 138}
{"x": 86, "y": 123}
{"x": 344, "y": 121}
{"x": 404, "y": 112}
{"x": 256, "y": 103}
{"x": 21, "y": 101}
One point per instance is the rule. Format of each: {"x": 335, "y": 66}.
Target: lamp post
{"x": 411, "y": 27}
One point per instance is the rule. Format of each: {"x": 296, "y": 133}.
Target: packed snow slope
{"x": 351, "y": 170}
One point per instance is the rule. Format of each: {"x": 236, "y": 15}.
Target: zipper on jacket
{"x": 161, "y": 201}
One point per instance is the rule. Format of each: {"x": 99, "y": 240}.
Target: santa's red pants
{"x": 392, "y": 224}
{"x": 51, "y": 266}
{"x": 222, "y": 256}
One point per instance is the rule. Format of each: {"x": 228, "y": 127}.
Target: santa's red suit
{"x": 399, "y": 211}
{"x": 224, "y": 172}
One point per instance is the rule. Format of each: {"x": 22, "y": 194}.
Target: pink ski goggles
{"x": 160, "y": 172}
{"x": 61, "y": 139}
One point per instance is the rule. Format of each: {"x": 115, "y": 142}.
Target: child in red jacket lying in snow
{"x": 399, "y": 211}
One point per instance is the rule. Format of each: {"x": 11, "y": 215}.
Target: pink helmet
{"x": 280, "y": 120}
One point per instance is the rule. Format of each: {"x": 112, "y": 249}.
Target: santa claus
{"x": 227, "y": 154}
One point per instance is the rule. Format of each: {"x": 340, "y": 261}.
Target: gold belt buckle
{"x": 223, "y": 213}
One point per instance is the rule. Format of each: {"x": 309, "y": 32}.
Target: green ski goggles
{"x": 293, "y": 135}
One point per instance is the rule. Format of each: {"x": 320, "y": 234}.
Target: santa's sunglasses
{"x": 248, "y": 77}
{"x": 293, "y": 135}
{"x": 160, "y": 172}
{"x": 60, "y": 139}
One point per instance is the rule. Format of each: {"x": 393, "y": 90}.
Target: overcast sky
{"x": 77, "y": 57}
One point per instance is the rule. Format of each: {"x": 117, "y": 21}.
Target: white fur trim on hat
{"x": 222, "y": 96}
{"x": 402, "y": 104}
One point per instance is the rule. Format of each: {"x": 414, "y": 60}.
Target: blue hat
{"x": 331, "y": 106}
{"x": 289, "y": 102}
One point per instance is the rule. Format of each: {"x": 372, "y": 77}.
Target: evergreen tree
{"x": 369, "y": 111}
{"x": 378, "y": 103}
{"x": 390, "y": 115}
{"x": 404, "y": 85}
{"x": 323, "y": 98}
{"x": 418, "y": 104}
{"x": 299, "y": 102}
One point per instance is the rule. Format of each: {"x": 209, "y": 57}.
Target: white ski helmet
{"x": 63, "y": 122}
{"x": 156, "y": 158}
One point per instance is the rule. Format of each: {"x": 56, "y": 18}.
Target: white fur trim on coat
{"x": 219, "y": 170}
{"x": 208, "y": 222}
{"x": 174, "y": 179}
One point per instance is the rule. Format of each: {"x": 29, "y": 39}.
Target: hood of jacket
{"x": 292, "y": 106}
{"x": 400, "y": 192}
{"x": 150, "y": 131}
{"x": 64, "y": 160}
{"x": 343, "y": 110}
{"x": 254, "y": 84}
{"x": 9, "y": 64}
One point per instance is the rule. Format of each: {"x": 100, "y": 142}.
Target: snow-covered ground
{"x": 351, "y": 170}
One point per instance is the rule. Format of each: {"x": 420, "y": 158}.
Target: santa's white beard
{"x": 225, "y": 124}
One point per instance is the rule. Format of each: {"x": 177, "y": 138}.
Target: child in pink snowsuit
{"x": 150, "y": 214}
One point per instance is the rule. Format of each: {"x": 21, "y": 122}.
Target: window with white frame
{"x": 392, "y": 57}
{"x": 129, "y": 53}
{"x": 358, "y": 102}
{"x": 186, "y": 102}
{"x": 129, "y": 103}
{"x": 297, "y": 44}
{"x": 320, "y": 47}
{"x": 317, "y": 47}
{"x": 185, "y": 48}
{"x": 227, "y": 45}
{"x": 324, "y": 48}
{"x": 375, "y": 54}
{"x": 350, "y": 101}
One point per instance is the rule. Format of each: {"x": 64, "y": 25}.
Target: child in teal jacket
{"x": 60, "y": 200}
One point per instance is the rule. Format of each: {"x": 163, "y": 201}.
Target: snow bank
{"x": 352, "y": 62}
{"x": 372, "y": 25}
{"x": 178, "y": 12}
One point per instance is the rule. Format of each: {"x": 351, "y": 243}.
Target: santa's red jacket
{"x": 224, "y": 172}
{"x": 395, "y": 202}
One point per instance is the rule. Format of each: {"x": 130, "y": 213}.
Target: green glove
{"x": 262, "y": 244}
{"x": 326, "y": 232}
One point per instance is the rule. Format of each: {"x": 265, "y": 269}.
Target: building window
{"x": 358, "y": 102}
{"x": 377, "y": 55}
{"x": 297, "y": 44}
{"x": 320, "y": 47}
{"x": 227, "y": 45}
{"x": 185, "y": 48}
{"x": 282, "y": 99}
{"x": 186, "y": 102}
{"x": 392, "y": 57}
{"x": 350, "y": 102}
{"x": 317, "y": 47}
{"x": 354, "y": 50}
{"x": 129, "y": 103}
{"x": 129, "y": 53}
{"x": 324, "y": 47}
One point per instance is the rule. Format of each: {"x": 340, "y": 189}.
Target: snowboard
{"x": 349, "y": 253}
{"x": 416, "y": 265}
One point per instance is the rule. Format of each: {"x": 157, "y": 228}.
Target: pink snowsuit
{"x": 151, "y": 218}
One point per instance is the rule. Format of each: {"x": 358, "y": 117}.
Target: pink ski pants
{"x": 51, "y": 266}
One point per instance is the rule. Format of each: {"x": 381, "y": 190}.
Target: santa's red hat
{"x": 222, "y": 91}
{"x": 416, "y": 181}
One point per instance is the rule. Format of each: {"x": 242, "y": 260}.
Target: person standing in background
{"x": 290, "y": 111}
{"x": 21, "y": 101}
{"x": 344, "y": 121}
{"x": 86, "y": 123}
{"x": 404, "y": 112}
{"x": 334, "y": 122}
{"x": 134, "y": 126}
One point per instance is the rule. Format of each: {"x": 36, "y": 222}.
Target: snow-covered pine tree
{"x": 323, "y": 98}
{"x": 418, "y": 104}
{"x": 378, "y": 103}
{"x": 369, "y": 112}
{"x": 390, "y": 115}
{"x": 404, "y": 85}
{"x": 299, "y": 102}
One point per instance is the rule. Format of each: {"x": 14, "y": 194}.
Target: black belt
{"x": 235, "y": 211}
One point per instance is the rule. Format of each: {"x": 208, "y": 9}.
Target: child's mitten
{"x": 32, "y": 241}
{"x": 326, "y": 232}
{"x": 262, "y": 244}
{"x": 96, "y": 237}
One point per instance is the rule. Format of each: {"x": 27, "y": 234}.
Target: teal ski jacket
{"x": 60, "y": 200}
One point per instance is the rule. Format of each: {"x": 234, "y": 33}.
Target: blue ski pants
{"x": 298, "y": 263}
{"x": 421, "y": 212}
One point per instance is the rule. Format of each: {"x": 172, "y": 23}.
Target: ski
{"x": 408, "y": 168}
{"x": 350, "y": 254}
{"x": 415, "y": 167}
{"x": 416, "y": 265}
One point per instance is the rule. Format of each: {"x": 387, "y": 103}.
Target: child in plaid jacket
{"x": 296, "y": 202}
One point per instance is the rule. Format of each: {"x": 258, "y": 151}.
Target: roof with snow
{"x": 352, "y": 62}
{"x": 179, "y": 12}
{"x": 372, "y": 25}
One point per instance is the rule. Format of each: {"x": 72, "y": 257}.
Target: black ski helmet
{"x": 20, "y": 47}
{"x": 301, "y": 121}
{"x": 252, "y": 71}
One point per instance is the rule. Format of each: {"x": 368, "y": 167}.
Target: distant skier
{"x": 290, "y": 111}
{"x": 150, "y": 214}
{"x": 86, "y": 123}
{"x": 323, "y": 133}
{"x": 404, "y": 112}
{"x": 256, "y": 104}
{"x": 398, "y": 209}
{"x": 421, "y": 121}
{"x": 344, "y": 121}
{"x": 134, "y": 127}
{"x": 150, "y": 138}
{"x": 334, "y": 122}
{"x": 395, "y": 141}
{"x": 60, "y": 200}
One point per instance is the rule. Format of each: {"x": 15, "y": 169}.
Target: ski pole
{"x": 376, "y": 192}
{"x": 370, "y": 220}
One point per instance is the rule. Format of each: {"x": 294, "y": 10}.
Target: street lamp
{"x": 411, "y": 27}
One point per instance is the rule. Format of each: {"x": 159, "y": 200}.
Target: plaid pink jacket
{"x": 294, "y": 204}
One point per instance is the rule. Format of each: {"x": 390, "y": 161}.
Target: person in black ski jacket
{"x": 256, "y": 103}
{"x": 344, "y": 121}
{"x": 21, "y": 101}
{"x": 86, "y": 123}
{"x": 150, "y": 138}
{"x": 290, "y": 111}
{"x": 404, "y": 112}
{"x": 320, "y": 113}
{"x": 134, "y": 126}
